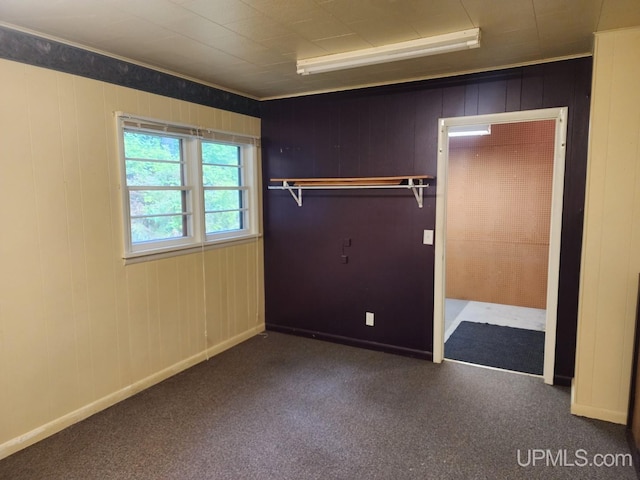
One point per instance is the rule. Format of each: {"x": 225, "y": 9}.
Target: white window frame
{"x": 247, "y": 171}
{"x": 192, "y": 138}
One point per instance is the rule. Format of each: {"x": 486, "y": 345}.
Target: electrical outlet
{"x": 369, "y": 319}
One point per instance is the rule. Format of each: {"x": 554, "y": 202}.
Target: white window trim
{"x": 197, "y": 240}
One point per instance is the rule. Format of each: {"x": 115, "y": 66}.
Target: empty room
{"x": 319, "y": 239}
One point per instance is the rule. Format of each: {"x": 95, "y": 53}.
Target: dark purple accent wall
{"x": 392, "y": 130}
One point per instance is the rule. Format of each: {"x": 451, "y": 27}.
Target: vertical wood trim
{"x": 633, "y": 417}
{"x": 555, "y": 240}
{"x": 611, "y": 231}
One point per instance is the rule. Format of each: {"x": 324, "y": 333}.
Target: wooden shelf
{"x": 416, "y": 183}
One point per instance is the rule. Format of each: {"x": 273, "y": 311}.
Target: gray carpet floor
{"x": 285, "y": 407}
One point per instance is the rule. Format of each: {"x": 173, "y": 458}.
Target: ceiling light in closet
{"x": 449, "y": 42}
{"x": 469, "y": 130}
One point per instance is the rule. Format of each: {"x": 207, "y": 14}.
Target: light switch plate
{"x": 427, "y": 237}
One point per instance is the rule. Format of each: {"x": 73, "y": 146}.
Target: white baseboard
{"x": 598, "y": 413}
{"x": 48, "y": 429}
{"x": 612, "y": 416}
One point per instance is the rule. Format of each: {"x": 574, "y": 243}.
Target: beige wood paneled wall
{"x": 499, "y": 214}
{"x": 79, "y": 330}
{"x": 611, "y": 245}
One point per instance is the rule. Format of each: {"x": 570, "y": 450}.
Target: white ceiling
{"x": 251, "y": 46}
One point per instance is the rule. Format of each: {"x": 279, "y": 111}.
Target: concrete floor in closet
{"x": 457, "y": 311}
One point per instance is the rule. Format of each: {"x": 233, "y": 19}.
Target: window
{"x": 184, "y": 187}
{"x": 159, "y": 199}
{"x": 224, "y": 192}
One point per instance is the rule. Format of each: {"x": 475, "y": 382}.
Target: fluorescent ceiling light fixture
{"x": 449, "y": 42}
{"x": 469, "y": 130}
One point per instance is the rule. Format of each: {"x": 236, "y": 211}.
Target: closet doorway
{"x": 497, "y": 246}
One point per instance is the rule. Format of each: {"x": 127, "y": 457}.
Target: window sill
{"x": 159, "y": 254}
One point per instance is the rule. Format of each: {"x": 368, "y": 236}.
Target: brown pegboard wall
{"x": 499, "y": 214}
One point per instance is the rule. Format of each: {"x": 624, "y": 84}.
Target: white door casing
{"x": 560, "y": 116}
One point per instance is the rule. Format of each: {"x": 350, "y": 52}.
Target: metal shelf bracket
{"x": 295, "y": 186}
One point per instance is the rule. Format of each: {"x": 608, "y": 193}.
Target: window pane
{"x": 222, "y": 200}
{"x": 152, "y": 147}
{"x": 220, "y": 153}
{"x": 140, "y": 173}
{"x": 224, "y": 221}
{"x": 213, "y": 176}
{"x": 158, "y": 228}
{"x": 156, "y": 202}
